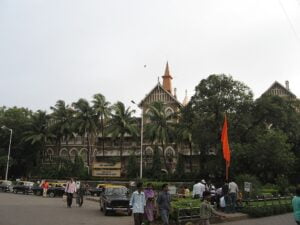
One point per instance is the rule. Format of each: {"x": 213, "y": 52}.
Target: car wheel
{"x": 51, "y": 194}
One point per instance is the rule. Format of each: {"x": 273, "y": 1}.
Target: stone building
{"x": 107, "y": 163}
{"x": 277, "y": 89}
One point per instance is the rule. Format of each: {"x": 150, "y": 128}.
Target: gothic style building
{"x": 277, "y": 89}
{"x": 107, "y": 163}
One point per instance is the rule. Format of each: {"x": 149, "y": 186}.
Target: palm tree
{"x": 122, "y": 123}
{"x": 102, "y": 109}
{"x": 160, "y": 127}
{"x": 85, "y": 122}
{"x": 39, "y": 132}
{"x": 63, "y": 117}
{"x": 184, "y": 135}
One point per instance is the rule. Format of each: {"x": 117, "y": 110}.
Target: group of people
{"x": 225, "y": 197}
{"x": 143, "y": 204}
{"x": 73, "y": 187}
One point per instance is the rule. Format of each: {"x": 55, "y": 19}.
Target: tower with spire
{"x": 167, "y": 80}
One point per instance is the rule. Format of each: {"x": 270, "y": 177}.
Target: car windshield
{"x": 116, "y": 191}
{"x": 6, "y": 182}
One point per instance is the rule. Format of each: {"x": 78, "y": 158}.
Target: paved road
{"x": 286, "y": 219}
{"x": 19, "y": 209}
{"x": 33, "y": 210}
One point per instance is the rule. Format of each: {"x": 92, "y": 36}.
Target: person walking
{"x": 233, "y": 193}
{"x": 138, "y": 203}
{"x": 225, "y": 194}
{"x": 80, "y": 193}
{"x": 206, "y": 209}
{"x": 198, "y": 190}
{"x": 70, "y": 190}
{"x": 45, "y": 186}
{"x": 164, "y": 204}
{"x": 296, "y": 205}
{"x": 149, "y": 209}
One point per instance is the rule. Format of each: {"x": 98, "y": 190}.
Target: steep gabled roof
{"x": 161, "y": 88}
{"x": 282, "y": 87}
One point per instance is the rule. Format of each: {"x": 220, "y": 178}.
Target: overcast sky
{"x": 71, "y": 49}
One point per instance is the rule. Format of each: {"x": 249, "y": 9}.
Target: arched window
{"x": 49, "y": 154}
{"x": 169, "y": 111}
{"x": 83, "y": 154}
{"x": 73, "y": 153}
{"x": 170, "y": 154}
{"x": 64, "y": 153}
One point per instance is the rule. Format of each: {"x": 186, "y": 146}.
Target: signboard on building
{"x": 106, "y": 173}
{"x": 106, "y": 169}
{"x": 247, "y": 186}
{"x": 107, "y": 165}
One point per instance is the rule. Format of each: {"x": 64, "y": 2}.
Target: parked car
{"x": 115, "y": 198}
{"x": 57, "y": 189}
{"x": 23, "y": 186}
{"x": 96, "y": 191}
{"x": 6, "y": 186}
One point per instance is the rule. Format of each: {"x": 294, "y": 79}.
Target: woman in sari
{"x": 149, "y": 209}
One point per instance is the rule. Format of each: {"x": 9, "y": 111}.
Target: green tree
{"x": 85, "y": 123}
{"x": 78, "y": 169}
{"x": 103, "y": 110}
{"x": 160, "y": 128}
{"x": 156, "y": 165}
{"x": 62, "y": 125}
{"x": 267, "y": 156}
{"x": 122, "y": 123}
{"x": 132, "y": 167}
{"x": 215, "y": 96}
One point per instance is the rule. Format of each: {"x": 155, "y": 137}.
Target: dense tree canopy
{"x": 264, "y": 134}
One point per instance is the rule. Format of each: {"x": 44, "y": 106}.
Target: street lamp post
{"x": 142, "y": 131}
{"x": 8, "y": 155}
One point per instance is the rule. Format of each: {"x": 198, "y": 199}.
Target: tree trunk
{"x": 88, "y": 151}
{"x": 191, "y": 155}
{"x": 164, "y": 157}
{"x": 121, "y": 150}
{"x": 102, "y": 132}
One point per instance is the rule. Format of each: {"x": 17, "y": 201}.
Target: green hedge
{"x": 267, "y": 210}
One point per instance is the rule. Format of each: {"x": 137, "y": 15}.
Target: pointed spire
{"x": 186, "y": 99}
{"x": 167, "y": 71}
{"x": 167, "y": 79}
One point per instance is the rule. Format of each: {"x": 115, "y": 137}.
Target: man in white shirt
{"x": 198, "y": 190}
{"x": 70, "y": 189}
{"x": 138, "y": 203}
{"x": 233, "y": 193}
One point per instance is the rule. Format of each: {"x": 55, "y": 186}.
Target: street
{"x": 19, "y": 209}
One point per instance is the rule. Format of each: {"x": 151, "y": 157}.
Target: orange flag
{"x": 225, "y": 146}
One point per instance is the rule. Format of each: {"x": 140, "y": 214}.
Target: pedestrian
{"x": 80, "y": 193}
{"x": 198, "y": 189}
{"x": 138, "y": 203}
{"x": 164, "y": 204}
{"x": 45, "y": 186}
{"x": 225, "y": 194}
{"x": 186, "y": 191}
{"x": 149, "y": 209}
{"x": 296, "y": 205}
{"x": 206, "y": 210}
{"x": 70, "y": 190}
{"x": 233, "y": 194}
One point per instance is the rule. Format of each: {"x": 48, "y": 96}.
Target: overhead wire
{"x": 290, "y": 21}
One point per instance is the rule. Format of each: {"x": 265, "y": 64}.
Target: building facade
{"x": 106, "y": 163}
